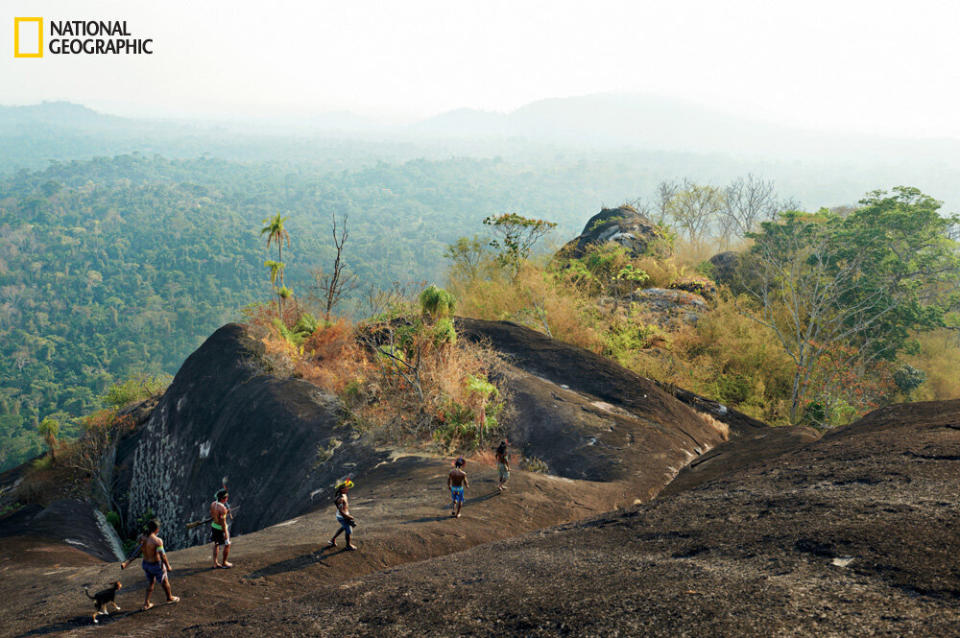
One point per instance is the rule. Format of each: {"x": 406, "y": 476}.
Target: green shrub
{"x": 733, "y": 388}
{"x": 135, "y": 389}
{"x": 481, "y": 387}
{"x": 437, "y": 302}
{"x": 908, "y": 379}
{"x": 458, "y": 426}
{"x": 444, "y": 333}
{"x": 815, "y": 414}
{"x": 114, "y": 519}
{"x": 306, "y": 325}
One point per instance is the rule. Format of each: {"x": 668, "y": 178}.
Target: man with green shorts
{"x": 219, "y": 531}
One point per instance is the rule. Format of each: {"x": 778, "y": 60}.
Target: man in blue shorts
{"x": 344, "y": 519}
{"x": 155, "y": 564}
{"x": 457, "y": 482}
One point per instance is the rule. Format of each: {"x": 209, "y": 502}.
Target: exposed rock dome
{"x": 623, "y": 225}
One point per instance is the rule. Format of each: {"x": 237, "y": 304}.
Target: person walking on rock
{"x": 346, "y": 521}
{"x": 457, "y": 482}
{"x": 155, "y": 564}
{"x": 503, "y": 465}
{"x": 219, "y": 531}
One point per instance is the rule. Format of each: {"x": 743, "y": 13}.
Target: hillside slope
{"x": 610, "y": 439}
{"x": 854, "y": 535}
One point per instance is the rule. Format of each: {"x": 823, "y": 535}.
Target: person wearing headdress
{"x": 219, "y": 532}
{"x": 457, "y": 482}
{"x": 345, "y": 520}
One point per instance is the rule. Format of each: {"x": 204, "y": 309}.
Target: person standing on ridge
{"x": 457, "y": 481}
{"x": 155, "y": 564}
{"x": 503, "y": 465}
{"x": 220, "y": 533}
{"x": 346, "y": 521}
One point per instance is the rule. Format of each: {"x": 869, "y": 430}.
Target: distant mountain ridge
{"x": 652, "y": 122}
{"x": 59, "y": 114}
{"x": 602, "y": 121}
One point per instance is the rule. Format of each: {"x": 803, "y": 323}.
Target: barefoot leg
{"x": 166, "y": 589}
{"x": 146, "y": 599}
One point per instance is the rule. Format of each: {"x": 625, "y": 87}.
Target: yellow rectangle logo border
{"x": 16, "y": 38}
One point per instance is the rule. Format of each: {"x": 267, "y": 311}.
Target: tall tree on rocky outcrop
{"x": 861, "y": 282}
{"x": 517, "y": 236}
{"x": 276, "y": 232}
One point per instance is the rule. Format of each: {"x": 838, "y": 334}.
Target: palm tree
{"x": 274, "y": 230}
{"x": 49, "y": 428}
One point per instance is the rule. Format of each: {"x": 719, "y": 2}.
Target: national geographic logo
{"x": 76, "y": 37}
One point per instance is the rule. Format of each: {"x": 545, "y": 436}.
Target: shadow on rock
{"x": 292, "y": 564}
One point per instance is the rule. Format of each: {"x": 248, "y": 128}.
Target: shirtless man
{"x": 218, "y": 528}
{"x": 503, "y": 465}
{"x": 155, "y": 564}
{"x": 343, "y": 514}
{"x": 457, "y": 481}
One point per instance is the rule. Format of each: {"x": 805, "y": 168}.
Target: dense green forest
{"x": 113, "y": 267}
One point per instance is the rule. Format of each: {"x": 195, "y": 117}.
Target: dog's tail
{"x": 88, "y": 594}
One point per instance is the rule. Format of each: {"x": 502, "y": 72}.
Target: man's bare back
{"x": 150, "y": 545}
{"x": 457, "y": 477}
{"x": 457, "y": 482}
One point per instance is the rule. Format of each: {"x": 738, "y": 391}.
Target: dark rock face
{"x": 277, "y": 442}
{"x": 587, "y": 417}
{"x": 623, "y": 226}
{"x": 69, "y": 521}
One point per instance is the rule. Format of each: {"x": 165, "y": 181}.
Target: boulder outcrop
{"x": 588, "y": 418}
{"x": 624, "y": 226}
{"x": 278, "y": 444}
{"x": 724, "y": 266}
{"x": 669, "y": 307}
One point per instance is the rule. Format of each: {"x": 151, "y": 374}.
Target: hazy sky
{"x": 871, "y": 66}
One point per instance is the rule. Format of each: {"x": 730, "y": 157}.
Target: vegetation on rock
{"x": 817, "y": 312}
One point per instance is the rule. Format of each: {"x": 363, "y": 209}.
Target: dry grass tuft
{"x": 405, "y": 381}
{"x": 719, "y": 426}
